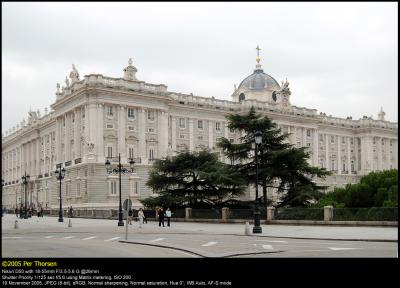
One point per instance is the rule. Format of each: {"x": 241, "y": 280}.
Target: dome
{"x": 259, "y": 81}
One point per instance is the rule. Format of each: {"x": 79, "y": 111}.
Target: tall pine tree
{"x": 281, "y": 166}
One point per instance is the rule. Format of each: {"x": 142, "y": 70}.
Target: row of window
{"x": 333, "y": 165}
{"x": 134, "y": 187}
{"x": 182, "y": 125}
{"x": 131, "y": 153}
{"x": 131, "y": 113}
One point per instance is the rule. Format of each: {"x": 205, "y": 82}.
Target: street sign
{"x": 127, "y": 204}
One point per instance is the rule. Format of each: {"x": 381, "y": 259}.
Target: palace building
{"x": 99, "y": 117}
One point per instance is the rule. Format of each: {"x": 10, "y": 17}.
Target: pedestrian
{"x": 168, "y": 214}
{"x": 161, "y": 217}
{"x": 130, "y": 215}
{"x": 16, "y": 211}
{"x": 144, "y": 217}
{"x": 71, "y": 212}
{"x": 141, "y": 217}
{"x": 41, "y": 212}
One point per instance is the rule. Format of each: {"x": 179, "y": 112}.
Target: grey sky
{"x": 340, "y": 58}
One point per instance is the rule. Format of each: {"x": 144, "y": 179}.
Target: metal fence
{"x": 365, "y": 214}
{"x": 206, "y": 214}
{"x": 242, "y": 214}
{"x": 300, "y": 214}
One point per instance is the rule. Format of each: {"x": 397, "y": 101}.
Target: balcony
{"x": 68, "y": 163}
{"x": 40, "y": 176}
{"x": 46, "y": 174}
{"x": 353, "y": 172}
{"x": 78, "y": 160}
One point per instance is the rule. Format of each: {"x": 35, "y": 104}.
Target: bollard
{"x": 16, "y": 224}
{"x": 247, "y": 229}
{"x": 69, "y": 223}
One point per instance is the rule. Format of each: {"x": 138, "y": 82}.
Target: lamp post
{"x": 60, "y": 174}
{"x": 257, "y": 228}
{"x": 25, "y": 181}
{"x": 119, "y": 170}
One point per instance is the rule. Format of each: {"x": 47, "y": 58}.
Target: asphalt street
{"x": 46, "y": 237}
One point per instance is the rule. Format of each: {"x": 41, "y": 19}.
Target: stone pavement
{"x": 51, "y": 224}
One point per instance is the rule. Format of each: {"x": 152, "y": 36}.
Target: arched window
{"x": 241, "y": 97}
{"x": 274, "y": 96}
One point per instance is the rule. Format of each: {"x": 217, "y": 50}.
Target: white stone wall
{"x": 79, "y": 131}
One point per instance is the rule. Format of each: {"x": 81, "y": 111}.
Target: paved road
{"x": 45, "y": 237}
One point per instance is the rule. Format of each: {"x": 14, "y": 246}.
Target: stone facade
{"x": 98, "y": 117}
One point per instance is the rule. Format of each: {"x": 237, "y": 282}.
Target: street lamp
{"x": 60, "y": 173}
{"x": 119, "y": 170}
{"x": 25, "y": 180}
{"x": 257, "y": 228}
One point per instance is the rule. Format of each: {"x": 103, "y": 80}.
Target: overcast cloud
{"x": 340, "y": 58}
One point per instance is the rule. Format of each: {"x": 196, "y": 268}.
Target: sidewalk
{"x": 51, "y": 224}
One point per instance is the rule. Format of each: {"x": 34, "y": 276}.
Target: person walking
{"x": 161, "y": 217}
{"x": 168, "y": 214}
{"x": 71, "y": 212}
{"x": 130, "y": 215}
{"x": 141, "y": 217}
{"x": 144, "y": 217}
{"x": 16, "y": 212}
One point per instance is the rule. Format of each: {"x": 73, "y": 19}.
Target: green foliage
{"x": 191, "y": 179}
{"x": 377, "y": 189}
{"x": 279, "y": 161}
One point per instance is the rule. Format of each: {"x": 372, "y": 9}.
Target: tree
{"x": 378, "y": 189}
{"x": 279, "y": 161}
{"x": 191, "y": 179}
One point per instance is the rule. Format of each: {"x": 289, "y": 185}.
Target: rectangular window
{"x": 109, "y": 111}
{"x": 151, "y": 130}
{"x": 332, "y": 139}
{"x": 200, "y": 124}
{"x": 109, "y": 151}
{"x": 333, "y": 165}
{"x": 182, "y": 123}
{"x": 182, "y": 136}
{"x": 231, "y": 140}
{"x": 109, "y": 126}
{"x": 83, "y": 113}
{"x": 308, "y": 133}
{"x": 352, "y": 165}
{"x": 78, "y": 188}
{"x": 344, "y": 167}
{"x": 321, "y": 138}
{"x": 217, "y": 126}
{"x": 321, "y": 163}
{"x": 131, "y": 152}
{"x": 67, "y": 189}
{"x": 113, "y": 187}
{"x": 131, "y": 128}
{"x": 351, "y": 141}
{"x": 137, "y": 187}
{"x": 308, "y": 144}
{"x": 343, "y": 140}
{"x": 374, "y": 140}
{"x": 200, "y": 137}
{"x": 232, "y": 130}
{"x": 151, "y": 154}
{"x": 383, "y": 142}
{"x": 150, "y": 115}
{"x": 131, "y": 113}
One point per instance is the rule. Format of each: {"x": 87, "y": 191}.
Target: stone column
{"x": 32, "y": 152}
{"x": 37, "y": 156}
{"x": 210, "y": 134}
{"x": 328, "y": 213}
{"x": 58, "y": 140}
{"x": 191, "y": 142}
{"x": 122, "y": 132}
{"x": 67, "y": 137}
{"x": 304, "y": 131}
{"x": 21, "y": 168}
{"x": 315, "y": 147}
{"x": 225, "y": 213}
{"x": 142, "y": 135}
{"x": 188, "y": 213}
{"x": 162, "y": 134}
{"x": 173, "y": 133}
{"x": 100, "y": 134}
{"x": 388, "y": 160}
{"x": 339, "y": 161}
{"x": 44, "y": 154}
{"x": 356, "y": 148}
{"x": 349, "y": 156}
{"x": 77, "y": 138}
{"x": 379, "y": 150}
{"x": 327, "y": 164}
{"x": 92, "y": 125}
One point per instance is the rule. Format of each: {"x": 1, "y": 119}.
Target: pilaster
{"x": 173, "y": 133}
{"x": 191, "y": 142}
{"x": 100, "y": 134}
